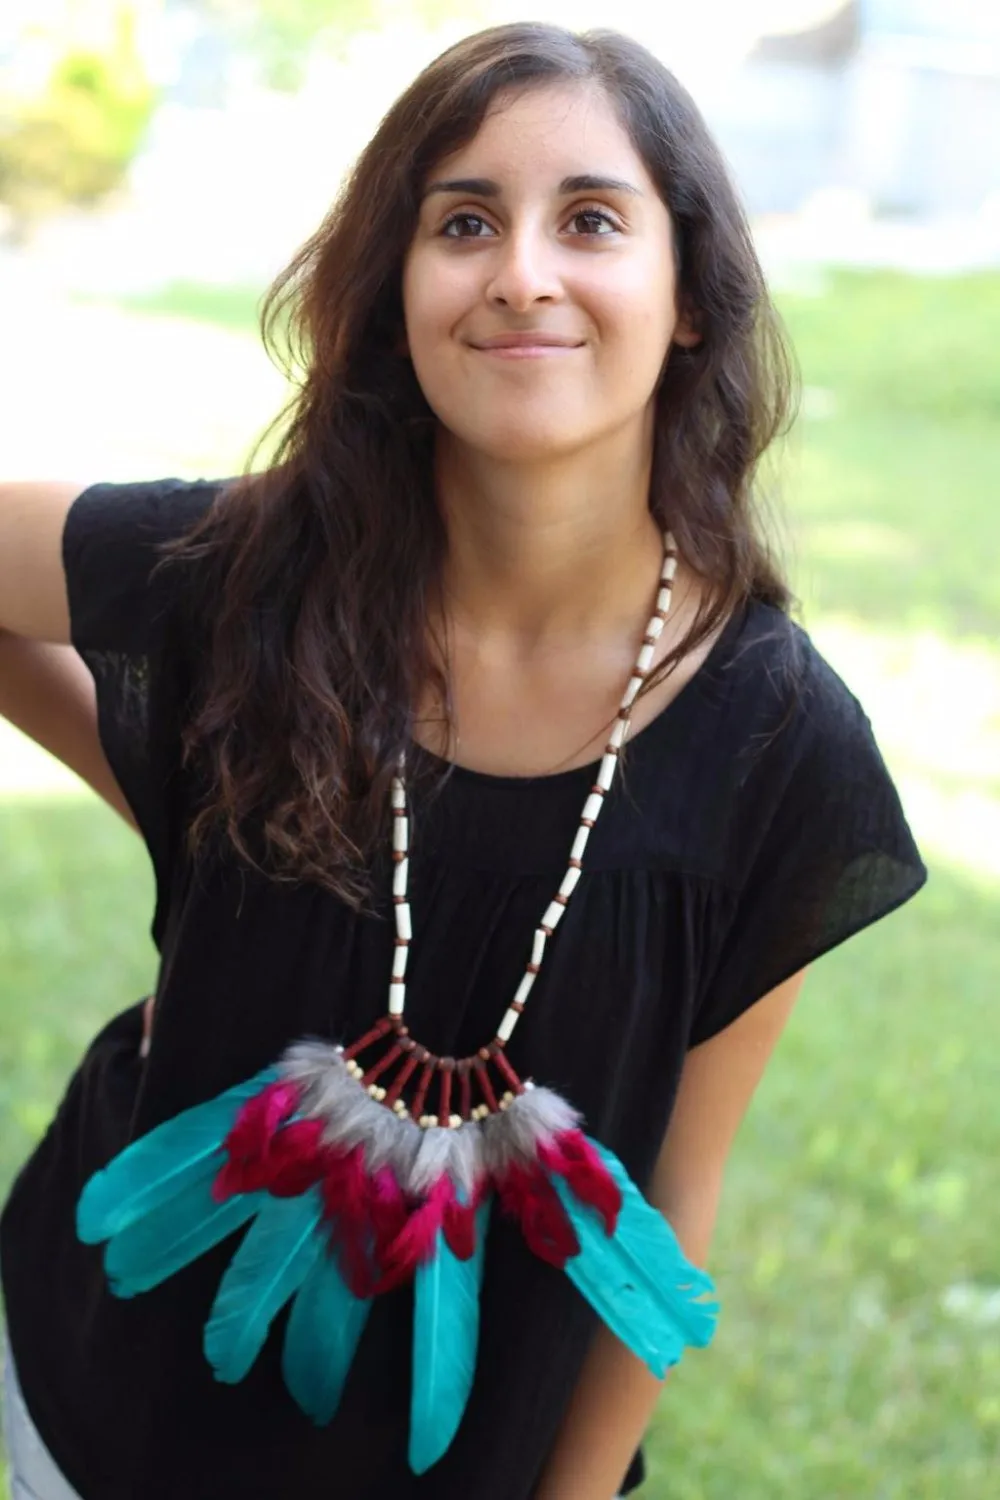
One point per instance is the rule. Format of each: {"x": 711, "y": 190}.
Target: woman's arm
{"x": 49, "y": 694}
{"x": 615, "y": 1396}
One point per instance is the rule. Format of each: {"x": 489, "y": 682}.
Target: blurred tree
{"x": 71, "y": 141}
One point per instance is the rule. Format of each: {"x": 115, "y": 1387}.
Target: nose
{"x": 524, "y": 271}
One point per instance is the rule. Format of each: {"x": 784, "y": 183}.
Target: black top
{"x": 756, "y": 828}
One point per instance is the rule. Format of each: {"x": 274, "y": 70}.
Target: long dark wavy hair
{"x": 317, "y": 572}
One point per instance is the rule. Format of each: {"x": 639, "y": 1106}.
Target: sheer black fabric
{"x": 754, "y": 829}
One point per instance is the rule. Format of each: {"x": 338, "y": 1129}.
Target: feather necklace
{"x": 362, "y": 1168}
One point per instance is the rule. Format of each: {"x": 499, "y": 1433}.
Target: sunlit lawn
{"x": 859, "y": 1353}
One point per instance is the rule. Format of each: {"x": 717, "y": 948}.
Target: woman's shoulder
{"x": 782, "y": 688}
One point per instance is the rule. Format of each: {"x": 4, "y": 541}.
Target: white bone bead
{"x": 663, "y": 600}
{"x": 606, "y": 774}
{"x": 399, "y": 875}
{"x": 507, "y": 1025}
{"x": 669, "y": 568}
{"x": 618, "y": 733}
{"x": 399, "y": 831}
{"x": 397, "y": 998}
{"x": 577, "y": 852}
{"x": 593, "y": 805}
{"x": 404, "y": 924}
{"x": 398, "y": 793}
{"x": 645, "y": 660}
{"x": 569, "y": 881}
{"x": 634, "y": 684}
{"x": 399, "y": 957}
{"x": 538, "y": 942}
{"x": 553, "y": 914}
{"x": 655, "y": 626}
{"x": 524, "y": 989}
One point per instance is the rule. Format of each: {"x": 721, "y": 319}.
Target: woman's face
{"x": 539, "y": 290}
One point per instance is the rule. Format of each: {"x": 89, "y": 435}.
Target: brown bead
{"x": 517, "y": 1005}
{"x": 560, "y": 900}
{"x": 447, "y": 1064}
{"x": 598, "y": 789}
{"x": 575, "y": 864}
{"x": 533, "y": 968}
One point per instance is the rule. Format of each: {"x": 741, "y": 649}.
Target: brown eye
{"x": 450, "y": 232}
{"x": 595, "y": 221}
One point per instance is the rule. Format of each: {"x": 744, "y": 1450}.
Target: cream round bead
{"x": 454, "y": 1121}
{"x": 432, "y": 1121}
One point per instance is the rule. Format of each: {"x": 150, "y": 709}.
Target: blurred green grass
{"x": 856, "y": 1247}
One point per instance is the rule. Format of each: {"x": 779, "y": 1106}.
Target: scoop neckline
{"x": 693, "y": 686}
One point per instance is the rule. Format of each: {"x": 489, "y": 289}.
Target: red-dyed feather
{"x": 573, "y": 1157}
{"x": 296, "y": 1160}
{"x": 528, "y": 1196}
{"x": 250, "y": 1140}
{"x": 346, "y": 1203}
{"x": 387, "y": 1209}
{"x": 460, "y": 1228}
{"x": 417, "y": 1240}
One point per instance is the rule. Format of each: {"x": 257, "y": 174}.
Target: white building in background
{"x": 895, "y": 101}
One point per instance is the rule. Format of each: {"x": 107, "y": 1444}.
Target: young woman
{"x": 484, "y": 688}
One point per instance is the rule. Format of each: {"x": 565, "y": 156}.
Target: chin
{"x": 528, "y": 441}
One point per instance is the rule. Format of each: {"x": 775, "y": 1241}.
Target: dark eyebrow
{"x": 485, "y": 187}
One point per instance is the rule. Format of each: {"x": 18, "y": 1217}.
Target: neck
{"x": 539, "y": 555}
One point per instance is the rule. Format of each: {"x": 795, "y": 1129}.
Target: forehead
{"x": 549, "y": 131}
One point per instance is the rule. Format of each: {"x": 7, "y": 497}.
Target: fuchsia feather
{"x": 416, "y": 1242}
{"x": 250, "y": 1140}
{"x": 528, "y": 1196}
{"x": 573, "y": 1157}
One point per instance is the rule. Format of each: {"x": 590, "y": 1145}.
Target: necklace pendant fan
{"x": 347, "y": 1197}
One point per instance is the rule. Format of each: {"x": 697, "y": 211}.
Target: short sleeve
{"x": 820, "y": 850}
{"x": 129, "y": 628}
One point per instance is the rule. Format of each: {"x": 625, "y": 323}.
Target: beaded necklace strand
{"x": 478, "y": 1065}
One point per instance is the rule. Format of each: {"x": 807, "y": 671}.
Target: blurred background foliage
{"x": 72, "y": 140}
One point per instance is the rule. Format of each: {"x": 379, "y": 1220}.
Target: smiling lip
{"x": 525, "y": 345}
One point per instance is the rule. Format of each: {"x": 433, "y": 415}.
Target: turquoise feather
{"x": 276, "y": 1256}
{"x": 173, "y": 1235}
{"x": 639, "y": 1280}
{"x": 445, "y": 1342}
{"x": 324, "y": 1328}
{"x": 162, "y": 1164}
